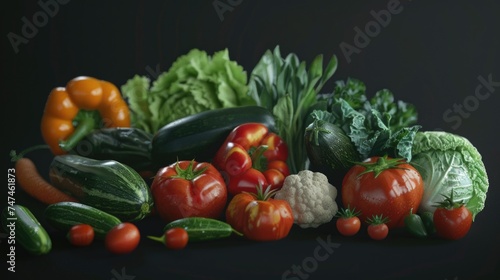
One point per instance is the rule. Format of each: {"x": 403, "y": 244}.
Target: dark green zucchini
{"x": 329, "y": 149}
{"x": 128, "y": 145}
{"x": 198, "y": 137}
{"x": 64, "y": 215}
{"x": 108, "y": 185}
{"x": 19, "y": 221}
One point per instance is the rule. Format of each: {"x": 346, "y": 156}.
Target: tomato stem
{"x": 263, "y": 195}
{"x": 377, "y": 220}
{"x": 382, "y": 164}
{"x": 188, "y": 173}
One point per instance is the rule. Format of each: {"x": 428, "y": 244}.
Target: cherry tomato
{"x": 122, "y": 239}
{"x": 348, "y": 223}
{"x": 81, "y": 235}
{"x": 378, "y": 232}
{"x": 189, "y": 189}
{"x": 382, "y": 185}
{"x": 377, "y": 228}
{"x": 348, "y": 226}
{"x": 452, "y": 220}
{"x": 260, "y": 217}
{"x": 176, "y": 238}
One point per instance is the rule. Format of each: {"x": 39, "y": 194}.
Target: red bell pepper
{"x": 251, "y": 156}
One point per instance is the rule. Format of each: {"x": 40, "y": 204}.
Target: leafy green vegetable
{"x": 377, "y": 126}
{"x": 449, "y": 163}
{"x": 290, "y": 90}
{"x": 194, "y": 83}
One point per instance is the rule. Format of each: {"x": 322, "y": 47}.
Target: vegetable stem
{"x": 85, "y": 126}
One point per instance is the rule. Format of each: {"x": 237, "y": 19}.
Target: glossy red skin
{"x": 453, "y": 223}
{"x": 378, "y": 231}
{"x": 246, "y": 182}
{"x": 202, "y": 196}
{"x": 393, "y": 194}
{"x": 81, "y": 235}
{"x": 348, "y": 226}
{"x": 176, "y": 238}
{"x": 277, "y": 149}
{"x": 259, "y": 220}
{"x": 122, "y": 239}
{"x": 234, "y": 161}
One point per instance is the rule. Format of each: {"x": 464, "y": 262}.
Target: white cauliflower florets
{"x": 311, "y": 197}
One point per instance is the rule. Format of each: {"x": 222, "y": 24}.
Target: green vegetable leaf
{"x": 290, "y": 90}
{"x": 136, "y": 93}
{"x": 195, "y": 82}
{"x": 450, "y": 163}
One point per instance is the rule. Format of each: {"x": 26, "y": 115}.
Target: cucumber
{"x": 202, "y": 229}
{"x": 64, "y": 215}
{"x": 19, "y": 221}
{"x": 329, "y": 149}
{"x": 107, "y": 185}
{"x": 199, "y": 136}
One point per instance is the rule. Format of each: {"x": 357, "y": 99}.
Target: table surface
{"x": 430, "y": 54}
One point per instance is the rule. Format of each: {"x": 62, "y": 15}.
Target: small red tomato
{"x": 452, "y": 220}
{"x": 348, "y": 223}
{"x": 176, "y": 238}
{"x": 377, "y": 228}
{"x": 122, "y": 239}
{"x": 81, "y": 235}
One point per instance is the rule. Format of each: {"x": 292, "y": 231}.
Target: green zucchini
{"x": 107, "y": 185}
{"x": 64, "y": 215}
{"x": 199, "y": 136}
{"x": 128, "y": 145}
{"x": 202, "y": 229}
{"x": 19, "y": 221}
{"x": 329, "y": 149}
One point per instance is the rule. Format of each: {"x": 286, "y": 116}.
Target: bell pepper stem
{"x": 257, "y": 155}
{"x": 84, "y": 127}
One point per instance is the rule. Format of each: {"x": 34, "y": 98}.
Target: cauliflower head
{"x": 311, "y": 197}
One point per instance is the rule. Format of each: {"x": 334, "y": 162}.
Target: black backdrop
{"x": 430, "y": 54}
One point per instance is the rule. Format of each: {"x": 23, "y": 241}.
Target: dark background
{"x": 429, "y": 54}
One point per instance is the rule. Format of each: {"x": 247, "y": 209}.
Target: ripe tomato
{"x": 122, "y": 239}
{"x": 188, "y": 189}
{"x": 378, "y": 232}
{"x": 382, "y": 185}
{"x": 260, "y": 217}
{"x": 452, "y": 220}
{"x": 348, "y": 223}
{"x": 176, "y": 238}
{"x": 348, "y": 226}
{"x": 81, "y": 235}
{"x": 377, "y": 227}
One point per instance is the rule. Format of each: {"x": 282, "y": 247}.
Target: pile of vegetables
{"x": 215, "y": 154}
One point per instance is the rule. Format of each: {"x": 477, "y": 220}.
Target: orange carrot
{"x": 35, "y": 185}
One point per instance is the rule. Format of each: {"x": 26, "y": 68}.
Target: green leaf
{"x": 136, "y": 92}
{"x": 316, "y": 68}
{"x": 329, "y": 71}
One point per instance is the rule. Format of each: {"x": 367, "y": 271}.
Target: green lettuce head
{"x": 194, "y": 83}
{"x": 449, "y": 163}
